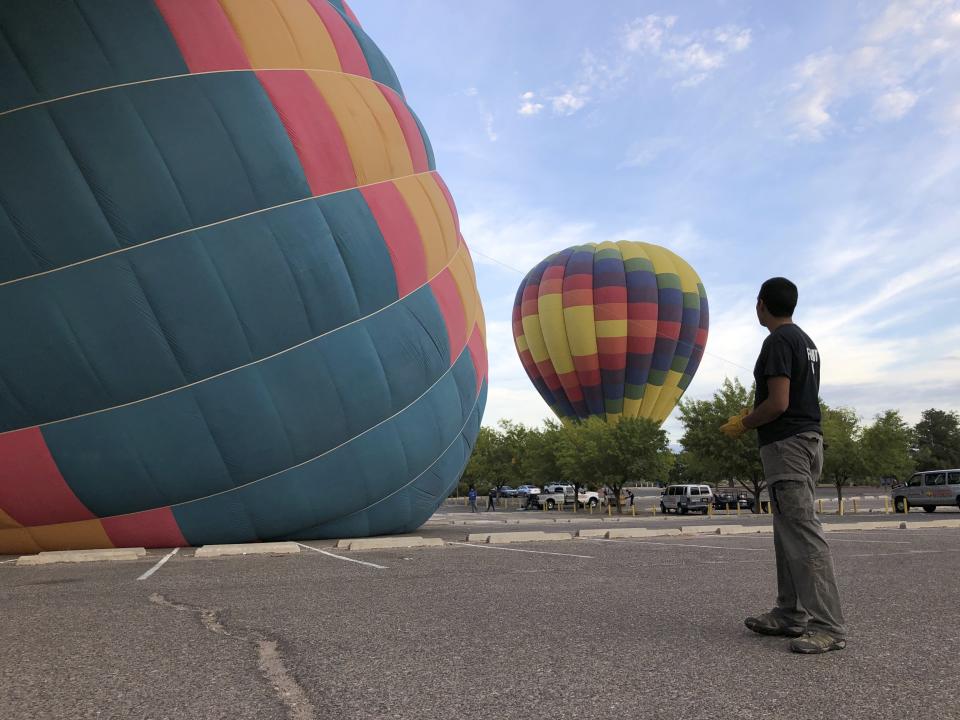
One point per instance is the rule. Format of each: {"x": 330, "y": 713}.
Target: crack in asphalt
{"x": 269, "y": 660}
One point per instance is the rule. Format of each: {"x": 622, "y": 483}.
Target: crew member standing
{"x": 786, "y": 415}
{"x": 472, "y": 497}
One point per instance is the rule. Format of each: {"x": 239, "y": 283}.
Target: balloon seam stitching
{"x": 199, "y": 228}
{"x": 133, "y": 83}
{"x": 456, "y": 437}
{"x": 337, "y": 447}
{"x": 246, "y": 365}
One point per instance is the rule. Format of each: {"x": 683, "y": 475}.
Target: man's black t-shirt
{"x": 789, "y": 352}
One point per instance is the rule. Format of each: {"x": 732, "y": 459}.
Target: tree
{"x": 885, "y": 447}
{"x": 497, "y": 457}
{"x": 842, "y": 459}
{"x": 937, "y": 440}
{"x": 679, "y": 469}
{"x": 539, "y": 463}
{"x": 629, "y": 451}
{"x": 709, "y": 455}
{"x": 482, "y": 463}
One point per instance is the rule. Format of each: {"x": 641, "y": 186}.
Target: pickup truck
{"x": 553, "y": 495}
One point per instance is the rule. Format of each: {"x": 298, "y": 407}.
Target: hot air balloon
{"x": 611, "y": 330}
{"x": 235, "y": 304}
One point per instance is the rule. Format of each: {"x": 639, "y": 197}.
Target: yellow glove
{"x": 734, "y": 428}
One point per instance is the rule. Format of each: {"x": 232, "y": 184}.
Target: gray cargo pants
{"x": 806, "y": 588}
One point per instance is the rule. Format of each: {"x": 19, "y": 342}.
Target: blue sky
{"x": 816, "y": 140}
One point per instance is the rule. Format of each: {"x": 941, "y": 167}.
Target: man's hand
{"x": 734, "y": 427}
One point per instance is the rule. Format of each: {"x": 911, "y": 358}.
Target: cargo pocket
{"x": 792, "y": 499}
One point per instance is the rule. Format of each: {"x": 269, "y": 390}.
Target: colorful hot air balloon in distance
{"x": 235, "y": 303}
{"x": 611, "y": 330}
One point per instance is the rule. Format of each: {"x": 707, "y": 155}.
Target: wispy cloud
{"x": 894, "y": 105}
{"x": 892, "y": 62}
{"x": 568, "y": 103}
{"x": 488, "y": 126}
{"x": 520, "y": 241}
{"x": 529, "y": 104}
{"x": 690, "y": 58}
{"x": 686, "y": 58}
{"x": 485, "y": 114}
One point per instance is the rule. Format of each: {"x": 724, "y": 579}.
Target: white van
{"x": 684, "y": 498}
{"x": 928, "y": 489}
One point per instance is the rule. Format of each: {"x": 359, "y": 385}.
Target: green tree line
{"x": 595, "y": 454}
{"x": 589, "y": 454}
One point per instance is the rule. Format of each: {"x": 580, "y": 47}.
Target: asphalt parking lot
{"x": 582, "y": 628}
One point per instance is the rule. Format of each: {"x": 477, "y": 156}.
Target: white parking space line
{"x": 908, "y": 552}
{"x": 830, "y": 538}
{"x": 879, "y": 533}
{"x": 681, "y": 545}
{"x": 341, "y": 557}
{"x": 535, "y": 552}
{"x": 159, "y": 564}
{"x": 879, "y": 542}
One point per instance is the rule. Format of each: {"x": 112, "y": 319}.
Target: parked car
{"x": 556, "y": 494}
{"x": 684, "y": 498}
{"x": 928, "y": 489}
{"x": 506, "y": 491}
{"x": 525, "y": 490}
{"x": 731, "y": 499}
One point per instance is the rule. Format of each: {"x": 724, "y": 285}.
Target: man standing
{"x": 786, "y": 414}
{"x": 492, "y": 499}
{"x": 472, "y": 497}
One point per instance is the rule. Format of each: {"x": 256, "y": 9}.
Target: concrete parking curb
{"x": 75, "y": 556}
{"x": 726, "y": 529}
{"x": 747, "y": 529}
{"x": 387, "y": 543}
{"x": 267, "y": 548}
{"x": 641, "y": 532}
{"x": 703, "y": 529}
{"x": 514, "y": 537}
{"x": 592, "y": 533}
{"x": 932, "y": 524}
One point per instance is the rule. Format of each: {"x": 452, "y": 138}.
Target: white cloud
{"x": 891, "y": 63}
{"x": 529, "y": 104}
{"x": 690, "y": 58}
{"x": 568, "y": 103}
{"x": 595, "y": 77}
{"x": 894, "y": 104}
{"x": 735, "y": 39}
{"x": 647, "y": 33}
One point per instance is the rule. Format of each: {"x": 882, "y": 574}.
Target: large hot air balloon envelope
{"x": 234, "y": 300}
{"x": 611, "y": 330}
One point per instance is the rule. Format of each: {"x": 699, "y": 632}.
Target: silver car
{"x": 928, "y": 489}
{"x": 685, "y": 498}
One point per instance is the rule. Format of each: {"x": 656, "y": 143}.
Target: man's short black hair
{"x": 780, "y": 296}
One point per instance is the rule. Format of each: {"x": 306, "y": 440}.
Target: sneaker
{"x": 814, "y": 642}
{"x": 770, "y": 624}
